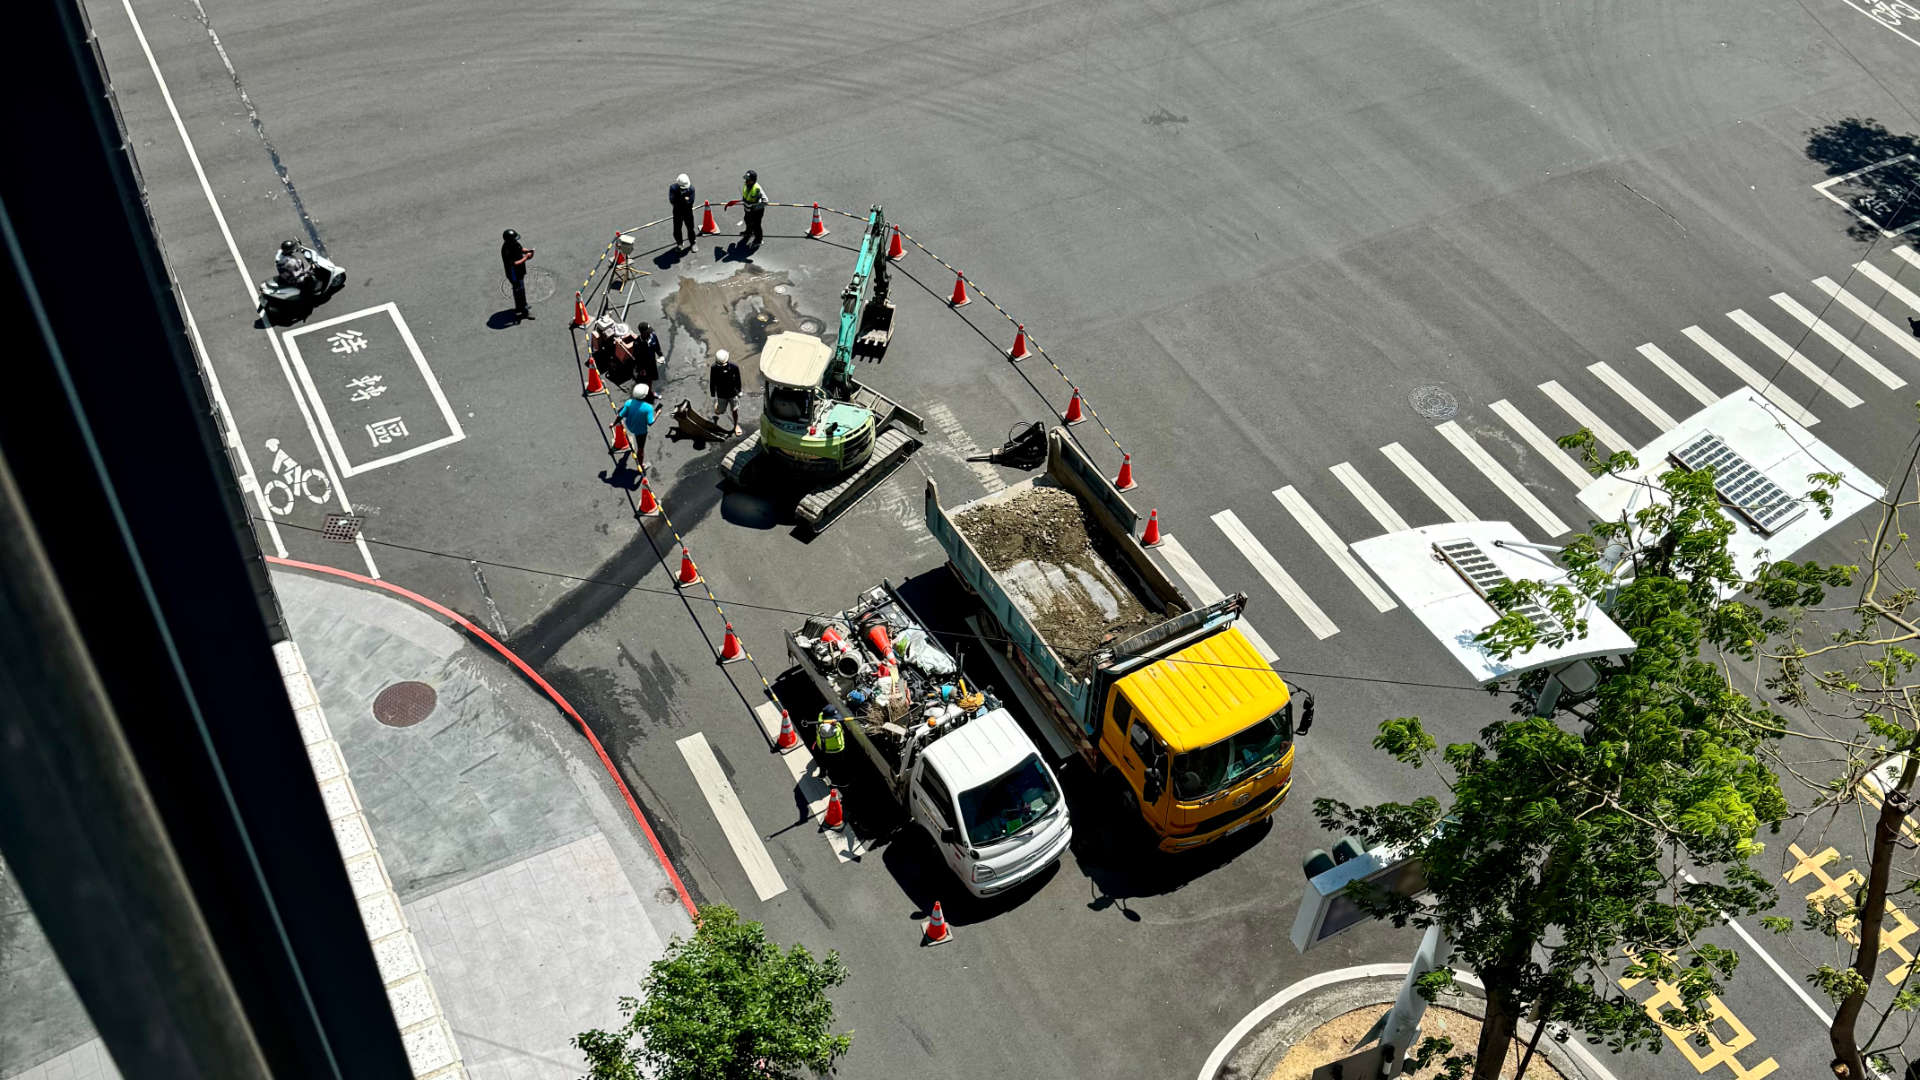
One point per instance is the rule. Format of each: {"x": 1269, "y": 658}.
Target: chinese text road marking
{"x": 1718, "y": 1053}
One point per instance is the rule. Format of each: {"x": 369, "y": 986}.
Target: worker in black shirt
{"x": 513, "y": 258}
{"x": 680, "y": 197}
{"x": 723, "y": 382}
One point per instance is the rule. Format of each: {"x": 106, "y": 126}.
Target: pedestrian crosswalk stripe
{"x": 1425, "y": 481}
{"x": 1541, "y": 444}
{"x": 1336, "y": 549}
{"x": 1866, "y": 313}
{"x": 1276, "y": 576}
{"x": 1584, "y": 416}
{"x": 739, "y": 830}
{"x": 1512, "y": 488}
{"x": 1795, "y": 357}
{"x": 1749, "y": 376}
{"x": 1906, "y": 252}
{"x": 1884, "y": 280}
{"x": 811, "y": 782}
{"x": 1206, "y": 592}
{"x": 1678, "y": 374}
{"x": 1369, "y": 499}
{"x": 1839, "y": 341}
{"x": 1631, "y": 394}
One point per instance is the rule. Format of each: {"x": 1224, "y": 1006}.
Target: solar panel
{"x": 1479, "y": 572}
{"x": 1758, "y": 499}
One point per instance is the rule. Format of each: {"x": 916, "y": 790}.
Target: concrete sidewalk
{"x": 523, "y": 886}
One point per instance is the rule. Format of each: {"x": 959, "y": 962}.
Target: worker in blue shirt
{"x": 636, "y": 414}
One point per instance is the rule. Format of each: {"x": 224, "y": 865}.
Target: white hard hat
{"x": 683, "y": 181}
{"x": 722, "y": 356}
{"x": 639, "y": 391}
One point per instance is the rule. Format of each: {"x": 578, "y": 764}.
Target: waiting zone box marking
{"x": 378, "y": 400}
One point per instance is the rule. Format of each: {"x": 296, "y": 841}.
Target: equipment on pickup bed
{"x": 819, "y": 426}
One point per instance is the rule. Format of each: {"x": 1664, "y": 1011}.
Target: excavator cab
{"x": 801, "y": 422}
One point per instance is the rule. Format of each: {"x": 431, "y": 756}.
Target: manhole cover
{"x": 1433, "y": 402}
{"x": 404, "y": 704}
{"x": 809, "y": 326}
{"x": 539, "y": 286}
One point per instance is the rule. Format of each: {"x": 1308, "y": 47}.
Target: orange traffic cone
{"x": 1073, "y": 414}
{"x": 895, "y": 250}
{"x": 706, "y": 219}
{"x": 689, "y": 574}
{"x": 620, "y": 443}
{"x": 649, "y": 506}
{"x": 1019, "y": 350}
{"x": 580, "y": 311}
{"x": 938, "y": 932}
{"x": 789, "y": 738}
{"x": 959, "y": 297}
{"x": 594, "y": 385}
{"x": 819, "y": 228}
{"x": 1151, "y": 538}
{"x": 834, "y": 818}
{"x": 1124, "y": 481}
{"x": 881, "y": 640}
{"x": 731, "y": 650}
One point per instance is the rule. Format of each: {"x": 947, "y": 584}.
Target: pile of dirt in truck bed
{"x": 1042, "y": 536}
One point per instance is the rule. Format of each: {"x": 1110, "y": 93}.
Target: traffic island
{"x": 1321, "y": 1020}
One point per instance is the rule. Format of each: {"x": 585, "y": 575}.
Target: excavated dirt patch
{"x": 1335, "y": 1039}
{"x": 1040, "y": 546}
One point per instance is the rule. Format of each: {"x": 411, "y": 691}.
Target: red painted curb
{"x": 527, "y": 670}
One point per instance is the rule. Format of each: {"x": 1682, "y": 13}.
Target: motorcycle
{"x": 284, "y": 300}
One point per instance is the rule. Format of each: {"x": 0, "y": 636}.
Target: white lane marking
{"x": 1792, "y": 983}
{"x": 812, "y": 784}
{"x": 1205, "y": 591}
{"x": 1425, "y": 481}
{"x": 1906, "y": 252}
{"x": 732, "y": 817}
{"x": 1335, "y": 548}
{"x": 1839, "y": 341}
{"x": 1276, "y": 576}
{"x": 347, "y": 467}
{"x": 1584, "y": 416}
{"x": 249, "y": 480}
{"x": 246, "y": 279}
{"x": 1885, "y": 280}
{"x": 1749, "y": 376}
{"x": 1368, "y": 498}
{"x": 1795, "y": 357}
{"x": 1541, "y": 444}
{"x": 1228, "y": 1044}
{"x": 1678, "y": 374}
{"x": 1631, "y": 394}
{"x": 1866, "y": 314}
{"x": 1512, "y": 488}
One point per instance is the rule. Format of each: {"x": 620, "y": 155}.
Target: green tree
{"x": 1561, "y": 853}
{"x": 726, "y": 1004}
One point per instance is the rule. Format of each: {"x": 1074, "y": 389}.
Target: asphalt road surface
{"x": 1317, "y": 246}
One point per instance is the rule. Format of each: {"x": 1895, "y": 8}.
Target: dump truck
{"x": 1169, "y": 702}
{"x": 955, "y": 761}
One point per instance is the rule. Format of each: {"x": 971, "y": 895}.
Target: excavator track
{"x": 818, "y": 509}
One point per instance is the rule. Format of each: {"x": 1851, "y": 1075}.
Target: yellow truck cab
{"x": 1202, "y": 740}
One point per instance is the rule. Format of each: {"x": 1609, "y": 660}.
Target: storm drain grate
{"x": 404, "y": 704}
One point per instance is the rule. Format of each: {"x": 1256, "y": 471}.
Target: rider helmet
{"x": 288, "y": 247}
{"x": 510, "y": 236}
{"x": 750, "y": 176}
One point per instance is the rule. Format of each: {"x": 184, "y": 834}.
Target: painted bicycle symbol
{"x": 291, "y": 482}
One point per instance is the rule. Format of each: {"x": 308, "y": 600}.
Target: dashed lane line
{"x": 732, "y": 817}
{"x": 1631, "y": 394}
{"x": 1429, "y": 486}
{"x": 1542, "y": 445}
{"x": 1369, "y": 499}
{"x": 1330, "y": 542}
{"x": 1795, "y": 358}
{"x": 1749, "y": 376}
{"x": 1509, "y": 486}
{"x": 1276, "y": 576}
{"x": 1839, "y": 341}
{"x": 1206, "y": 592}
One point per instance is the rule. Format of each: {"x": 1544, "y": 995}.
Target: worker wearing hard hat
{"x": 680, "y": 197}
{"x": 723, "y": 382}
{"x": 754, "y": 199}
{"x": 829, "y": 735}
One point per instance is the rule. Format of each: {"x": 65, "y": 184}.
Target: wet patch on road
{"x": 738, "y": 313}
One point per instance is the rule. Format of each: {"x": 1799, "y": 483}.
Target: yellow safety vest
{"x": 751, "y": 195}
{"x": 832, "y": 738}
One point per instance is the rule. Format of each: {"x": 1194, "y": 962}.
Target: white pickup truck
{"x": 956, "y": 762}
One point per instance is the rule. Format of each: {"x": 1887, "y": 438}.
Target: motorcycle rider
{"x": 292, "y": 265}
